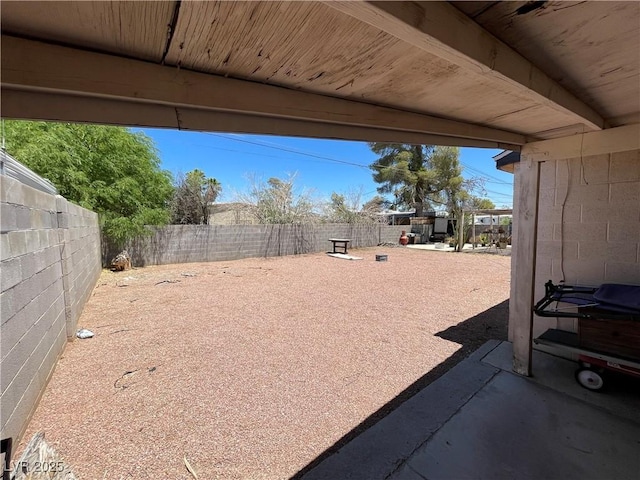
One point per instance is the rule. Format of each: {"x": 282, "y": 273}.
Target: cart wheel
{"x": 590, "y": 379}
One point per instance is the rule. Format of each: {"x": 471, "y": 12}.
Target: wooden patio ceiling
{"x": 489, "y": 74}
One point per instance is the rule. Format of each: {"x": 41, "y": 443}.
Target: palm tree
{"x": 212, "y": 189}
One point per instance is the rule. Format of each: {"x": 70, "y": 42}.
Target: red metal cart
{"x": 608, "y": 335}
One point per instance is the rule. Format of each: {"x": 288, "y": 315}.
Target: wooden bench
{"x": 340, "y": 243}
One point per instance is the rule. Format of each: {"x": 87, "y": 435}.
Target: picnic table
{"x": 340, "y": 243}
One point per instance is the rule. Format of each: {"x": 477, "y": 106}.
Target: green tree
{"x": 349, "y": 208}
{"x": 423, "y": 175}
{"x": 478, "y": 203}
{"x": 110, "y": 170}
{"x": 376, "y": 204}
{"x": 277, "y": 201}
{"x": 453, "y": 189}
{"x": 193, "y": 195}
{"x": 406, "y": 172}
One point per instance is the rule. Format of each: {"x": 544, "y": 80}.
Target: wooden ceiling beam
{"x": 611, "y": 140}
{"x": 442, "y": 30}
{"x": 32, "y": 66}
{"x": 30, "y": 105}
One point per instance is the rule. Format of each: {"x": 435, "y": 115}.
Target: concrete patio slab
{"x": 515, "y": 428}
{"x": 622, "y": 398}
{"x": 483, "y": 421}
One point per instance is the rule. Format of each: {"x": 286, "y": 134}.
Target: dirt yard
{"x": 253, "y": 368}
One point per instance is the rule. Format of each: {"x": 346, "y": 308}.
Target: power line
{"x": 323, "y": 157}
{"x": 265, "y": 155}
{"x": 499, "y": 193}
{"x": 486, "y": 175}
{"x": 490, "y": 178}
{"x": 290, "y": 150}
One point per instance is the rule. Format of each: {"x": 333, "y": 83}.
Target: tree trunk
{"x": 205, "y": 214}
{"x": 460, "y": 226}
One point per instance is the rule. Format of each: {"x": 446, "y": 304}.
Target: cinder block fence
{"x": 49, "y": 264}
{"x": 208, "y": 243}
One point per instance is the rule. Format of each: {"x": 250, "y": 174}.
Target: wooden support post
{"x": 523, "y": 263}
{"x": 461, "y": 232}
{"x": 473, "y": 223}
{"x": 492, "y": 236}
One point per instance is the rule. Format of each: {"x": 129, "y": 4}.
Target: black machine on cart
{"x": 608, "y": 335}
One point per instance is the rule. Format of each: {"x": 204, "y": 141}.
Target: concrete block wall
{"x": 80, "y": 256}
{"x": 206, "y": 243}
{"x": 49, "y": 263}
{"x": 588, "y": 224}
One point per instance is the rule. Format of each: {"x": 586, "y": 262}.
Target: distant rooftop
{"x": 506, "y": 160}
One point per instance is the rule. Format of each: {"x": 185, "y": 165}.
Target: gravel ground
{"x": 253, "y": 368}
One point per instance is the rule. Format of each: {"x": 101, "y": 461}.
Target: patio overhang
{"x": 481, "y": 74}
{"x": 109, "y": 89}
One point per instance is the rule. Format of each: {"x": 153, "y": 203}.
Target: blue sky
{"x": 324, "y": 166}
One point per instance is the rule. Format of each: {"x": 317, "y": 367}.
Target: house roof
{"x": 10, "y": 167}
{"x": 489, "y": 74}
{"x": 492, "y": 211}
{"x": 398, "y": 213}
{"x": 506, "y": 160}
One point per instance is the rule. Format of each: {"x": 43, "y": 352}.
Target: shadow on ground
{"x": 470, "y": 334}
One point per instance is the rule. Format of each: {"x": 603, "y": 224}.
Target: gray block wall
{"x": 49, "y": 263}
{"x": 588, "y": 225}
{"x": 206, "y": 243}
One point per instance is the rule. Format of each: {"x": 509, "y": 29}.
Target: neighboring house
{"x": 396, "y": 217}
{"x": 493, "y": 219}
{"x": 507, "y": 160}
{"x": 232, "y": 213}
